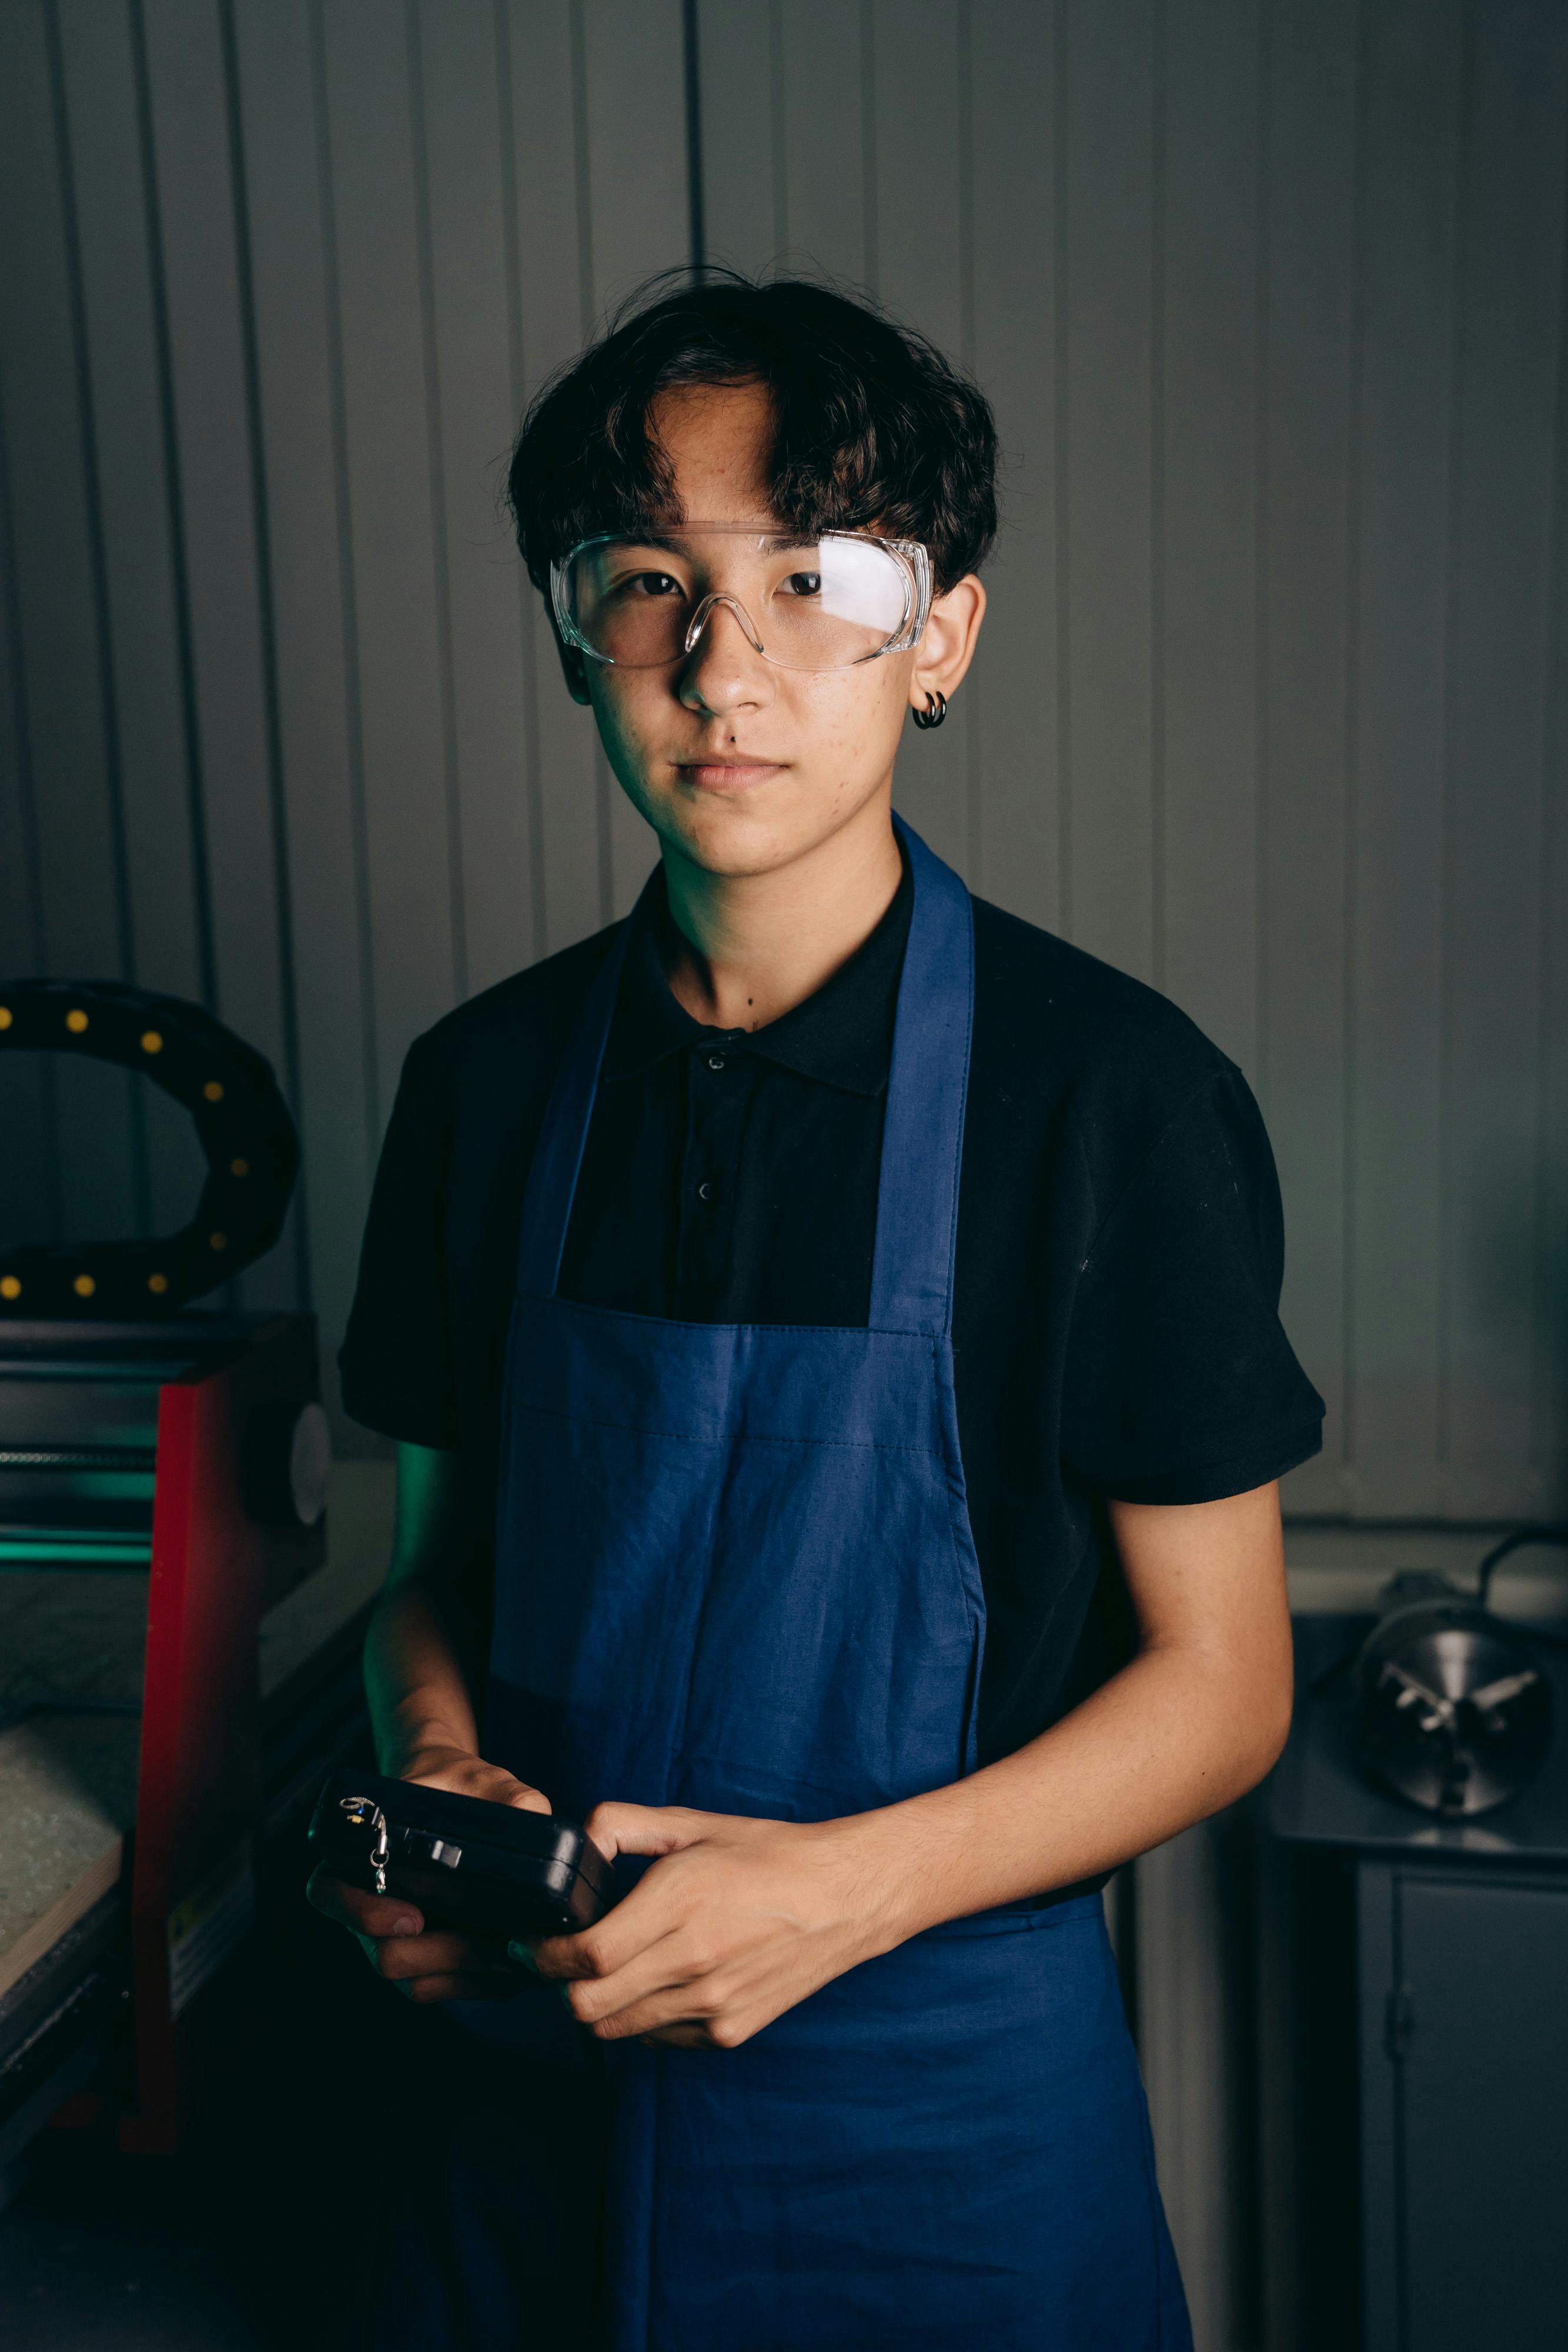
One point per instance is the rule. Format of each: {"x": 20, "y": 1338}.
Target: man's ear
{"x": 947, "y": 646}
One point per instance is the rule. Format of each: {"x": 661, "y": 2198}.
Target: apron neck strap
{"x": 557, "y": 1156}
{"x": 923, "y": 1127}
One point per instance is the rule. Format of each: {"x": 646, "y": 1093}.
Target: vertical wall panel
{"x": 282, "y": 103}
{"x": 1411, "y": 118}
{"x": 920, "y": 68}
{"x": 553, "y": 309}
{"x": 1013, "y": 694}
{"x": 1509, "y": 345}
{"x": 409, "y": 791}
{"x": 1549, "y": 1403}
{"x": 28, "y": 1166}
{"x": 199, "y": 227}
{"x": 1108, "y": 124}
{"x": 829, "y": 215}
{"x": 1308, "y": 235}
{"x": 139, "y": 558}
{"x": 920, "y": 153}
{"x": 165, "y": 885}
{"x": 826, "y": 194}
{"x": 640, "y": 222}
{"x": 68, "y": 750}
{"x": 744, "y": 115}
{"x": 196, "y": 218}
{"x": 1550, "y": 1399}
{"x": 1207, "y": 911}
{"x": 636, "y": 117}
{"x": 789, "y": 148}
{"x": 464, "y": 106}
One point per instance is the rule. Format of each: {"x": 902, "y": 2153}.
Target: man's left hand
{"x": 737, "y": 1921}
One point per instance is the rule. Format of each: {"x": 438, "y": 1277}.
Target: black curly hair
{"x": 874, "y": 427}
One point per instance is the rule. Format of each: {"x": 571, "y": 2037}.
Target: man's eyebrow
{"x": 665, "y": 538}
{"x": 670, "y": 537}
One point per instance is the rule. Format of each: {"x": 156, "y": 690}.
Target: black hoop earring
{"x": 935, "y": 712}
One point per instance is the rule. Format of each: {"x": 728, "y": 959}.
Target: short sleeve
{"x": 1181, "y": 1386}
{"x": 396, "y": 1357}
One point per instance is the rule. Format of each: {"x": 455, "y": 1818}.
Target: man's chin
{"x": 735, "y": 836}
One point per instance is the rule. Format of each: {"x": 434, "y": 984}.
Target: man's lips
{"x": 728, "y": 771}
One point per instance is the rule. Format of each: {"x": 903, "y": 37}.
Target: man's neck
{"x": 753, "y": 946}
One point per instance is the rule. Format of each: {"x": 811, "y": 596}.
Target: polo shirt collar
{"x": 841, "y": 1035}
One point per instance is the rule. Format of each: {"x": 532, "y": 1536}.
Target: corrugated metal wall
{"x": 1271, "y": 710}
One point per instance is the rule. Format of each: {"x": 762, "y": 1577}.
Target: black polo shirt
{"x": 1119, "y": 1256}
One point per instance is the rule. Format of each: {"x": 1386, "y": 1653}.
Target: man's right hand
{"x": 428, "y": 1964}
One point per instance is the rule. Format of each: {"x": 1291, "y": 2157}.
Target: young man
{"x": 830, "y": 1330}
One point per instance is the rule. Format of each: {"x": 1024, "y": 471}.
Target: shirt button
{"x": 704, "y": 1192}
{"x": 716, "y": 1061}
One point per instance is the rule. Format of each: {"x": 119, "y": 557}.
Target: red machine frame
{"x": 221, "y": 1558}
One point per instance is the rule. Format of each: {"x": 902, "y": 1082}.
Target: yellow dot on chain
{"x": 239, "y": 1168}
{"x": 213, "y": 1090}
{"x": 9, "y": 1287}
{"x": 217, "y": 1241}
{"x": 158, "y": 1282}
{"x": 6, "y": 1016}
{"x": 84, "y": 1286}
{"x": 151, "y": 1042}
{"x": 76, "y": 1021}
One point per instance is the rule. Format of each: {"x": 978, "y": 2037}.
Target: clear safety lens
{"x": 819, "y": 604}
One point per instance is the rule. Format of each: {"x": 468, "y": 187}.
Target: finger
{"x": 670, "y": 1968}
{"x": 354, "y": 1907}
{"x": 646, "y": 1829}
{"x": 650, "y": 1911}
{"x": 726, "y": 2029}
{"x": 676, "y": 2010}
{"x": 399, "y": 1956}
{"x": 471, "y": 1776}
{"x": 473, "y": 1984}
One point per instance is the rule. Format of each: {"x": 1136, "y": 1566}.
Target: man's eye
{"x": 803, "y": 583}
{"x": 651, "y": 583}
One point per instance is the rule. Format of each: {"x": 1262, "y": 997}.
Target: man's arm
{"x": 745, "y": 1918}
{"x": 425, "y": 1656}
{"x": 424, "y": 1648}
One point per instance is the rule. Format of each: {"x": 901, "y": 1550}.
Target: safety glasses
{"x": 819, "y": 602}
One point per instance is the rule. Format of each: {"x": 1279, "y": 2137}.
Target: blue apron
{"x": 735, "y": 1571}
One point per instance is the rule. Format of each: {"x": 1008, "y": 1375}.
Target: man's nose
{"x": 725, "y": 667}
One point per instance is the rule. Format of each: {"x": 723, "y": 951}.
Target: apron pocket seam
{"x": 729, "y": 1437}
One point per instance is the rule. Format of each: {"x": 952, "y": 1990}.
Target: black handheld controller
{"x": 472, "y": 1867}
